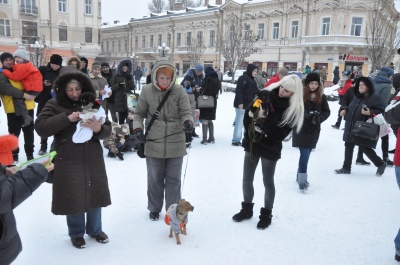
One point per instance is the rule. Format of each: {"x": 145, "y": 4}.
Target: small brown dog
{"x": 177, "y": 218}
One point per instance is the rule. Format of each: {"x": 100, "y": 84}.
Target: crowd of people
{"x": 162, "y": 127}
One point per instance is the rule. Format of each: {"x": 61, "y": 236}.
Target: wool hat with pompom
{"x": 8, "y": 143}
{"x": 22, "y": 53}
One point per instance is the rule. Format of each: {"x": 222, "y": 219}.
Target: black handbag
{"x": 140, "y": 151}
{"x": 365, "y": 134}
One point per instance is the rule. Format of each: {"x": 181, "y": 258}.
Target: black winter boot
{"x": 265, "y": 218}
{"x": 120, "y": 156}
{"x": 245, "y": 213}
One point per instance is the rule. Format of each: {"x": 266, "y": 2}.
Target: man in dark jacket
{"x": 14, "y": 189}
{"x": 138, "y": 75}
{"x": 246, "y": 90}
{"x": 107, "y": 74}
{"x": 49, "y": 72}
{"x": 84, "y": 63}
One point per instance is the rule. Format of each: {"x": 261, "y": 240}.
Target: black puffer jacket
{"x": 309, "y": 133}
{"x": 121, "y": 84}
{"x": 246, "y": 88}
{"x": 373, "y": 101}
{"x": 269, "y": 146}
{"x": 51, "y": 75}
{"x": 13, "y": 191}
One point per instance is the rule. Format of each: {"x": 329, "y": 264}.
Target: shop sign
{"x": 353, "y": 58}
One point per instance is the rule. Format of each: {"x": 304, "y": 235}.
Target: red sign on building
{"x": 353, "y": 58}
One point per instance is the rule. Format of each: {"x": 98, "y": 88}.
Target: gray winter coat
{"x": 166, "y": 138}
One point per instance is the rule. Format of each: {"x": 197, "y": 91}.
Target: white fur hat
{"x": 21, "y": 53}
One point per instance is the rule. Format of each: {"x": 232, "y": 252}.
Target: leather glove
{"x": 139, "y": 136}
{"x": 188, "y": 126}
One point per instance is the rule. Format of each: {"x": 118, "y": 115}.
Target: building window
{"x": 88, "y": 35}
{"x": 125, "y": 45}
{"x": 99, "y": 10}
{"x": 98, "y": 36}
{"x": 5, "y": 27}
{"x": 29, "y": 7}
{"x": 62, "y": 33}
{"x": 143, "y": 41}
{"x": 136, "y": 42}
{"x": 169, "y": 39}
{"x": 113, "y": 46}
{"x": 188, "y": 38}
{"x": 62, "y": 6}
{"x": 108, "y": 46}
{"x": 119, "y": 46}
{"x": 275, "y": 31}
{"x": 246, "y": 31}
{"x": 88, "y": 7}
{"x": 261, "y": 31}
{"x": 3, "y": 1}
{"x": 231, "y": 33}
{"x": 159, "y": 39}
{"x": 200, "y": 38}
{"x": 212, "y": 38}
{"x": 295, "y": 29}
{"x": 151, "y": 41}
{"x": 178, "y": 39}
{"x": 29, "y": 32}
{"x": 356, "y": 26}
{"x": 326, "y": 24}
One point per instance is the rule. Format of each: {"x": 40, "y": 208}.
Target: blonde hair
{"x": 293, "y": 115}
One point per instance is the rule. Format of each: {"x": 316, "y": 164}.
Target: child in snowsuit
{"x": 117, "y": 141}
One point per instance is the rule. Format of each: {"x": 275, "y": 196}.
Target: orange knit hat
{"x": 7, "y": 144}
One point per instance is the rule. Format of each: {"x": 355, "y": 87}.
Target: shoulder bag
{"x": 204, "y": 101}
{"x": 365, "y": 133}
{"x": 140, "y": 151}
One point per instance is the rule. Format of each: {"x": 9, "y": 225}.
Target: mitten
{"x": 188, "y": 125}
{"x": 139, "y": 136}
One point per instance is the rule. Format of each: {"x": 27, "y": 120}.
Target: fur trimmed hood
{"x": 62, "y": 81}
{"x": 159, "y": 64}
{"x": 122, "y": 63}
{"x": 368, "y": 82}
{"x": 76, "y": 59}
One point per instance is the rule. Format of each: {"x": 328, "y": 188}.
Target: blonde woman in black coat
{"x": 211, "y": 86}
{"x": 316, "y": 110}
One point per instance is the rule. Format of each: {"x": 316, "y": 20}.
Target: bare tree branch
{"x": 185, "y": 3}
{"x": 195, "y": 50}
{"x": 381, "y": 38}
{"x": 156, "y": 6}
{"x": 237, "y": 42}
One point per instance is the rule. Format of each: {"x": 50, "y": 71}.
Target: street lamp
{"x": 38, "y": 48}
{"x": 163, "y": 49}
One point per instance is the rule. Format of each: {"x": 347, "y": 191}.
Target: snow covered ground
{"x": 342, "y": 219}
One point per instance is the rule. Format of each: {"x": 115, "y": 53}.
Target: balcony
{"x": 29, "y": 10}
{"x": 148, "y": 50}
{"x": 333, "y": 39}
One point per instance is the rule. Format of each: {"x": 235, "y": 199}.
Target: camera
{"x": 315, "y": 120}
{"x": 314, "y": 113}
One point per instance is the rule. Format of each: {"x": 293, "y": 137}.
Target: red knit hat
{"x": 7, "y": 144}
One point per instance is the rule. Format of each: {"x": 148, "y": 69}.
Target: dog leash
{"x": 184, "y": 174}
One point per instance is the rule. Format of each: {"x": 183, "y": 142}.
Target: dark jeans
{"x": 268, "y": 171}
{"x": 110, "y": 106}
{"x": 122, "y": 117}
{"x": 77, "y": 225}
{"x": 14, "y": 127}
{"x": 303, "y": 161}
{"x": 369, "y": 152}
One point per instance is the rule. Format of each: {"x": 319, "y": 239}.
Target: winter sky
{"x": 123, "y": 10}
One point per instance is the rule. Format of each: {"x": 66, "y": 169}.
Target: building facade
{"x": 44, "y": 27}
{"x": 292, "y": 33}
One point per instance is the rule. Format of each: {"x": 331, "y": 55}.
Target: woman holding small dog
{"x": 316, "y": 111}
{"x": 268, "y": 120}
{"x": 80, "y": 185}
{"x": 165, "y": 143}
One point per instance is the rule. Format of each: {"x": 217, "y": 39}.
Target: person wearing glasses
{"x": 277, "y": 109}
